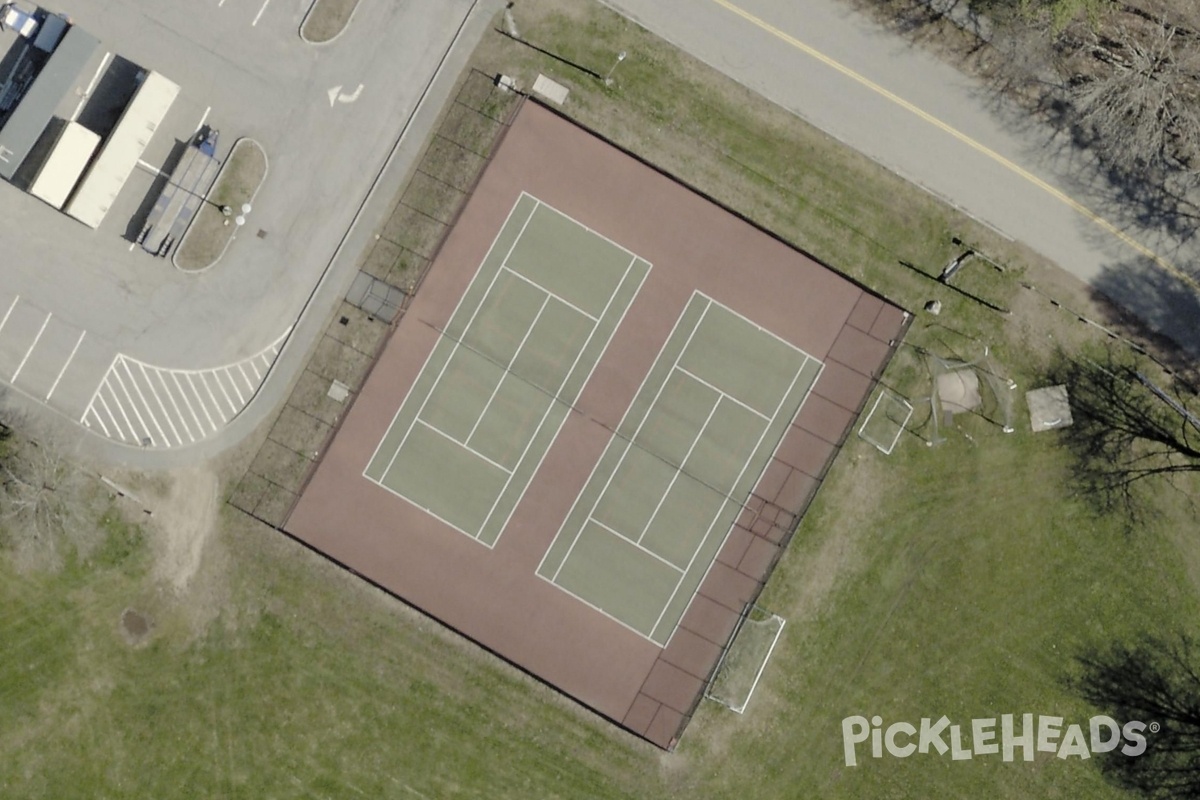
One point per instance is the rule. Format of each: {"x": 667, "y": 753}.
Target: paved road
{"x": 147, "y": 357}
{"x": 925, "y": 120}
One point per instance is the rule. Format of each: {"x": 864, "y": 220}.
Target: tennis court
{"x": 675, "y": 474}
{"x": 587, "y": 464}
{"x": 507, "y": 369}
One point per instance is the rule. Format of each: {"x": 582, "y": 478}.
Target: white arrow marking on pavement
{"x": 336, "y": 95}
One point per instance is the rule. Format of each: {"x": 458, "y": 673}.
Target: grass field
{"x": 960, "y": 580}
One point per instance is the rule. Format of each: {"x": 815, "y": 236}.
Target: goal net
{"x": 884, "y": 424}
{"x": 742, "y": 665}
{"x": 972, "y": 387}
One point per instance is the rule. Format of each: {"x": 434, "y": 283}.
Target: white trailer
{"x": 67, "y": 160}
{"x": 119, "y": 155}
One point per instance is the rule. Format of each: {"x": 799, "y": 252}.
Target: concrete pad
{"x": 551, "y": 90}
{"x": 1048, "y": 408}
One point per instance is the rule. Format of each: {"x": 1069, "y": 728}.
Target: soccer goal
{"x": 886, "y": 422}
{"x": 742, "y": 664}
{"x": 974, "y": 387}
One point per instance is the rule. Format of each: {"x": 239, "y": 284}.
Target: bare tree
{"x": 1139, "y": 99}
{"x": 1129, "y": 427}
{"x": 1122, "y": 75}
{"x": 45, "y": 498}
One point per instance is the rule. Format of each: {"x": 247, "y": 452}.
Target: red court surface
{"x": 493, "y": 595}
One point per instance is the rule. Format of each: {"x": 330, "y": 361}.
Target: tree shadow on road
{"x": 1145, "y": 302}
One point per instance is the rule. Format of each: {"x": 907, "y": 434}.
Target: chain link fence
{"x": 390, "y": 274}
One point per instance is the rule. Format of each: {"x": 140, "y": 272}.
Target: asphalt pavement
{"x": 159, "y": 365}
{"x": 927, "y": 121}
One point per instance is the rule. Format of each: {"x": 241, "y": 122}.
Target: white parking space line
{"x": 258, "y": 16}
{"x": 150, "y": 168}
{"x": 203, "y": 118}
{"x": 63, "y": 371}
{"x": 37, "y": 338}
{"x": 8, "y": 313}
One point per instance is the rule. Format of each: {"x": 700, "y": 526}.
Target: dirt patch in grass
{"x": 135, "y": 626}
{"x": 326, "y": 20}
{"x": 210, "y": 233}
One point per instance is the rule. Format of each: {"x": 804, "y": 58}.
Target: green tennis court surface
{"x": 514, "y": 357}
{"x": 690, "y": 448}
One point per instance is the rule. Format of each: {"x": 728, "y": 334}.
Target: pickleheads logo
{"x": 984, "y": 738}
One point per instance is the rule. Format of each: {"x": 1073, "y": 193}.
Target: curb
{"x": 254, "y": 194}
{"x": 337, "y": 35}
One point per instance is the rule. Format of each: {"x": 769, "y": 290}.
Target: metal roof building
{"x": 27, "y": 121}
{"x": 119, "y": 155}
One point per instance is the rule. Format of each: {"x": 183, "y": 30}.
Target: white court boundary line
{"x": 632, "y": 543}
{"x": 457, "y": 306}
{"x": 551, "y": 401}
{"x": 587, "y": 379}
{"x": 628, "y": 442}
{"x": 454, "y": 348}
{"x": 470, "y": 450}
{"x": 592, "y": 231}
{"x": 724, "y": 395}
{"x": 506, "y": 268}
{"x": 508, "y": 367}
{"x": 679, "y": 471}
{"x": 804, "y": 365}
{"x": 727, "y": 500}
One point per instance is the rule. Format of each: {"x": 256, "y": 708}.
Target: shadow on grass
{"x": 1132, "y": 429}
{"x": 1155, "y": 681}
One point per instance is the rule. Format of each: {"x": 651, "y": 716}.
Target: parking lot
{"x": 90, "y": 321}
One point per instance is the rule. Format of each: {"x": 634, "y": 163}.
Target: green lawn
{"x": 960, "y": 580}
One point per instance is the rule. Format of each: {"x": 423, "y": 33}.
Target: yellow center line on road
{"x": 962, "y": 137}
